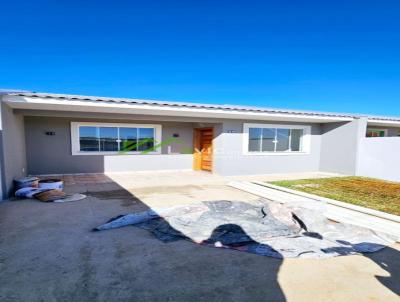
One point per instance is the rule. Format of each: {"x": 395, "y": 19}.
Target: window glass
{"x": 113, "y": 139}
{"x": 282, "y": 140}
{"x": 275, "y": 140}
{"x": 255, "y": 139}
{"x": 88, "y": 138}
{"x": 108, "y": 138}
{"x": 145, "y": 139}
{"x": 128, "y": 139}
{"x": 295, "y": 143}
{"x": 268, "y": 139}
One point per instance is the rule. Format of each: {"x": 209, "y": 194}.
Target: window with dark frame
{"x": 275, "y": 140}
{"x": 114, "y": 139}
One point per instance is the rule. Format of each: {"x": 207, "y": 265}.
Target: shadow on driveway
{"x": 389, "y": 260}
{"x": 49, "y": 254}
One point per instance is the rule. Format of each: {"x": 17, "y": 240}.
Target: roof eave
{"x": 383, "y": 122}
{"x": 46, "y": 103}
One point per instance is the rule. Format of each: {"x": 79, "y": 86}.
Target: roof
{"x": 158, "y": 103}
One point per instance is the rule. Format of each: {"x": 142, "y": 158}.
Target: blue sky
{"x": 317, "y": 55}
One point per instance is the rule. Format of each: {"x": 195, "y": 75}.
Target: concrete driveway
{"x": 49, "y": 254}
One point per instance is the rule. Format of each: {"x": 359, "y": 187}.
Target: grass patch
{"x": 366, "y": 192}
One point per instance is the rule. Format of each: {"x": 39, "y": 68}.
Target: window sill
{"x": 276, "y": 153}
{"x": 115, "y": 153}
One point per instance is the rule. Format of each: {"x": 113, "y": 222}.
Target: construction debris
{"x": 52, "y": 183}
{"x": 28, "y": 192}
{"x": 267, "y": 228}
{"x": 25, "y": 182}
{"x": 46, "y": 190}
{"x": 50, "y": 195}
{"x": 71, "y": 197}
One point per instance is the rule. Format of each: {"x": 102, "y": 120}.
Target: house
{"x": 63, "y": 134}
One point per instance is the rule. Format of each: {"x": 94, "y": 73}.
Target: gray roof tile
{"x": 196, "y": 105}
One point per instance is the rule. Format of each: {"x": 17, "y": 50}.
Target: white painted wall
{"x": 339, "y": 146}
{"x": 379, "y": 158}
{"x": 12, "y": 145}
{"x": 126, "y": 163}
{"x": 230, "y": 159}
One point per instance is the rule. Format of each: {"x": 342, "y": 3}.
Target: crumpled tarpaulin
{"x": 266, "y": 228}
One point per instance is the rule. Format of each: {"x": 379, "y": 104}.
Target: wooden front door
{"x": 203, "y": 158}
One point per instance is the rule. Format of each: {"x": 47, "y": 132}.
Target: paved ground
{"x": 47, "y": 252}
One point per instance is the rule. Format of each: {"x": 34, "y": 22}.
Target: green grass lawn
{"x": 367, "y": 192}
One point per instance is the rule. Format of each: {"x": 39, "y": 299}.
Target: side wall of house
{"x": 340, "y": 146}
{"x": 13, "y": 157}
{"x": 229, "y": 158}
{"x": 52, "y": 154}
{"x": 379, "y": 158}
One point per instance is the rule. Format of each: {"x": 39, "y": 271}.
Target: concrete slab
{"x": 49, "y": 254}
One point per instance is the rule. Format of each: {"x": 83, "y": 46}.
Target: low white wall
{"x": 379, "y": 158}
{"x": 119, "y": 163}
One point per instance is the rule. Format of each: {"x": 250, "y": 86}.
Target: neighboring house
{"x": 383, "y": 132}
{"x": 63, "y": 134}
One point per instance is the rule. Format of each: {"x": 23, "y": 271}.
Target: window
{"x": 145, "y": 139}
{"x": 93, "y": 138}
{"x": 276, "y": 139}
{"x": 108, "y": 139}
{"x": 88, "y": 139}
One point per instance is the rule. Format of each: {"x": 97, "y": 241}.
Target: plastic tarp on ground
{"x": 264, "y": 228}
